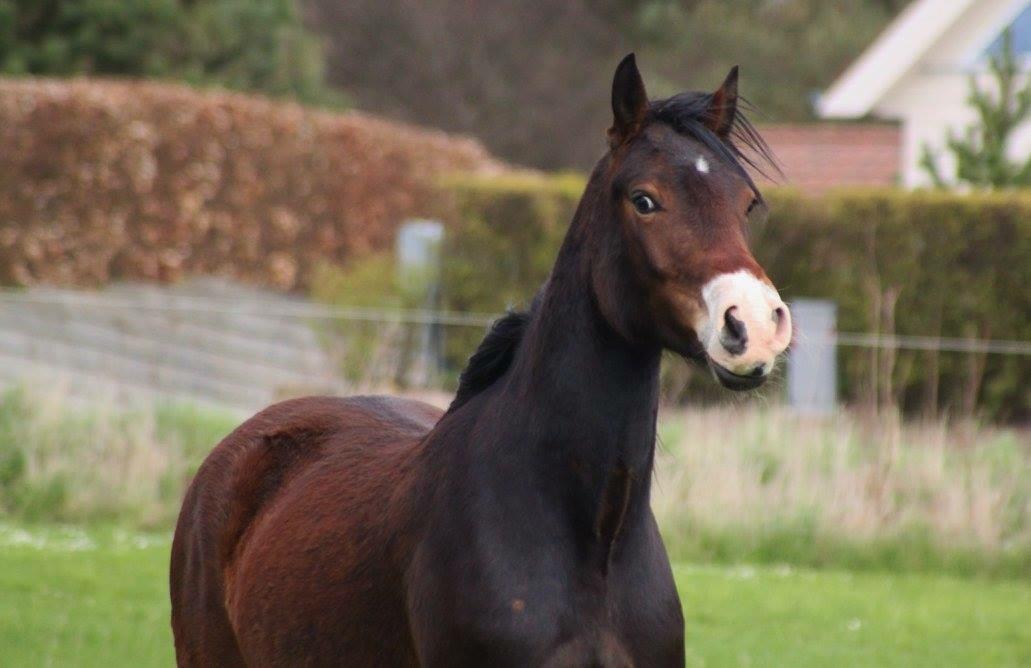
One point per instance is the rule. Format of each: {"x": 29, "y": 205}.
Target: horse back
{"x": 308, "y": 449}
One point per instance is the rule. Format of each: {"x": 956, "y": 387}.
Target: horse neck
{"x": 569, "y": 428}
{"x": 586, "y": 393}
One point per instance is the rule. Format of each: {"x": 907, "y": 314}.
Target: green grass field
{"x": 70, "y": 597}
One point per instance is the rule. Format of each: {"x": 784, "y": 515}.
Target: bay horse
{"x": 513, "y": 529}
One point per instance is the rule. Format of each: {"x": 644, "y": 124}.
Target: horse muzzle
{"x": 743, "y": 328}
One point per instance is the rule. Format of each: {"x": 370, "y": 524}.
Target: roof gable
{"x": 1021, "y": 30}
{"x": 923, "y": 27}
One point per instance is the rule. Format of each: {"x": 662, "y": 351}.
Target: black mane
{"x": 494, "y": 354}
{"x": 687, "y": 113}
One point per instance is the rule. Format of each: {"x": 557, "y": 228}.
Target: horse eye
{"x": 644, "y": 204}
{"x": 756, "y": 215}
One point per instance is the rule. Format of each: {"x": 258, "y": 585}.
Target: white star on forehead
{"x": 702, "y": 165}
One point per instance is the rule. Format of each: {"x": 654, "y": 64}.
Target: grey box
{"x": 812, "y": 362}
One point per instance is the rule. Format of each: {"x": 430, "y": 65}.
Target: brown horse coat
{"x": 515, "y": 529}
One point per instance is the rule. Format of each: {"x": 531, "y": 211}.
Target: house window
{"x": 1021, "y": 28}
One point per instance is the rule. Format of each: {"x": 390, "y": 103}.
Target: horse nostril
{"x": 781, "y": 323}
{"x": 734, "y": 336}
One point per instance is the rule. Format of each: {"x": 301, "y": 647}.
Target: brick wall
{"x": 819, "y": 156}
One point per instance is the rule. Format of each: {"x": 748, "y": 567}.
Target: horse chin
{"x": 694, "y": 352}
{"x": 733, "y": 381}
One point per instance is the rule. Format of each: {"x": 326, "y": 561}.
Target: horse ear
{"x": 722, "y": 111}
{"x": 629, "y": 102}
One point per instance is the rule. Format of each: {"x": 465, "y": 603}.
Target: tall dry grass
{"x": 744, "y": 483}
{"x": 63, "y": 460}
{"x": 767, "y": 483}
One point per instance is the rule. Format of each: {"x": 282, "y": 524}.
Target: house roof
{"x": 893, "y": 53}
{"x": 917, "y": 30}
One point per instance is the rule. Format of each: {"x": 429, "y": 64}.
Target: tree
{"x": 251, "y": 45}
{"x": 245, "y": 44}
{"x": 980, "y": 153}
{"x": 531, "y": 78}
{"x": 63, "y": 38}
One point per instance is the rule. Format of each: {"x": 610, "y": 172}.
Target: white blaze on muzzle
{"x": 745, "y": 325}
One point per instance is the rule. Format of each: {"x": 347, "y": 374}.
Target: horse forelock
{"x": 743, "y": 146}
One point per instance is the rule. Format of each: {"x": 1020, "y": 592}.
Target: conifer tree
{"x": 981, "y": 151}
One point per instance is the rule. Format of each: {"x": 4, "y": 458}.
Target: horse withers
{"x": 513, "y": 529}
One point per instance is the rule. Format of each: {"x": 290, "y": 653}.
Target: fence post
{"x": 812, "y": 362}
{"x": 418, "y": 264}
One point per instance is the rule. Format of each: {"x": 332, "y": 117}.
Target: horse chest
{"x": 551, "y": 603}
{"x": 625, "y": 620}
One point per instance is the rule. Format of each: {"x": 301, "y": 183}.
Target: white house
{"x": 918, "y": 71}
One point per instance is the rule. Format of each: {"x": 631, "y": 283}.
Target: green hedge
{"x": 923, "y": 263}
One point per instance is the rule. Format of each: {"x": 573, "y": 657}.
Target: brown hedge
{"x": 109, "y": 180}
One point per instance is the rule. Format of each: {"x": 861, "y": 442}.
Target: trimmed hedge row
{"x": 120, "y": 180}
{"x": 925, "y": 263}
